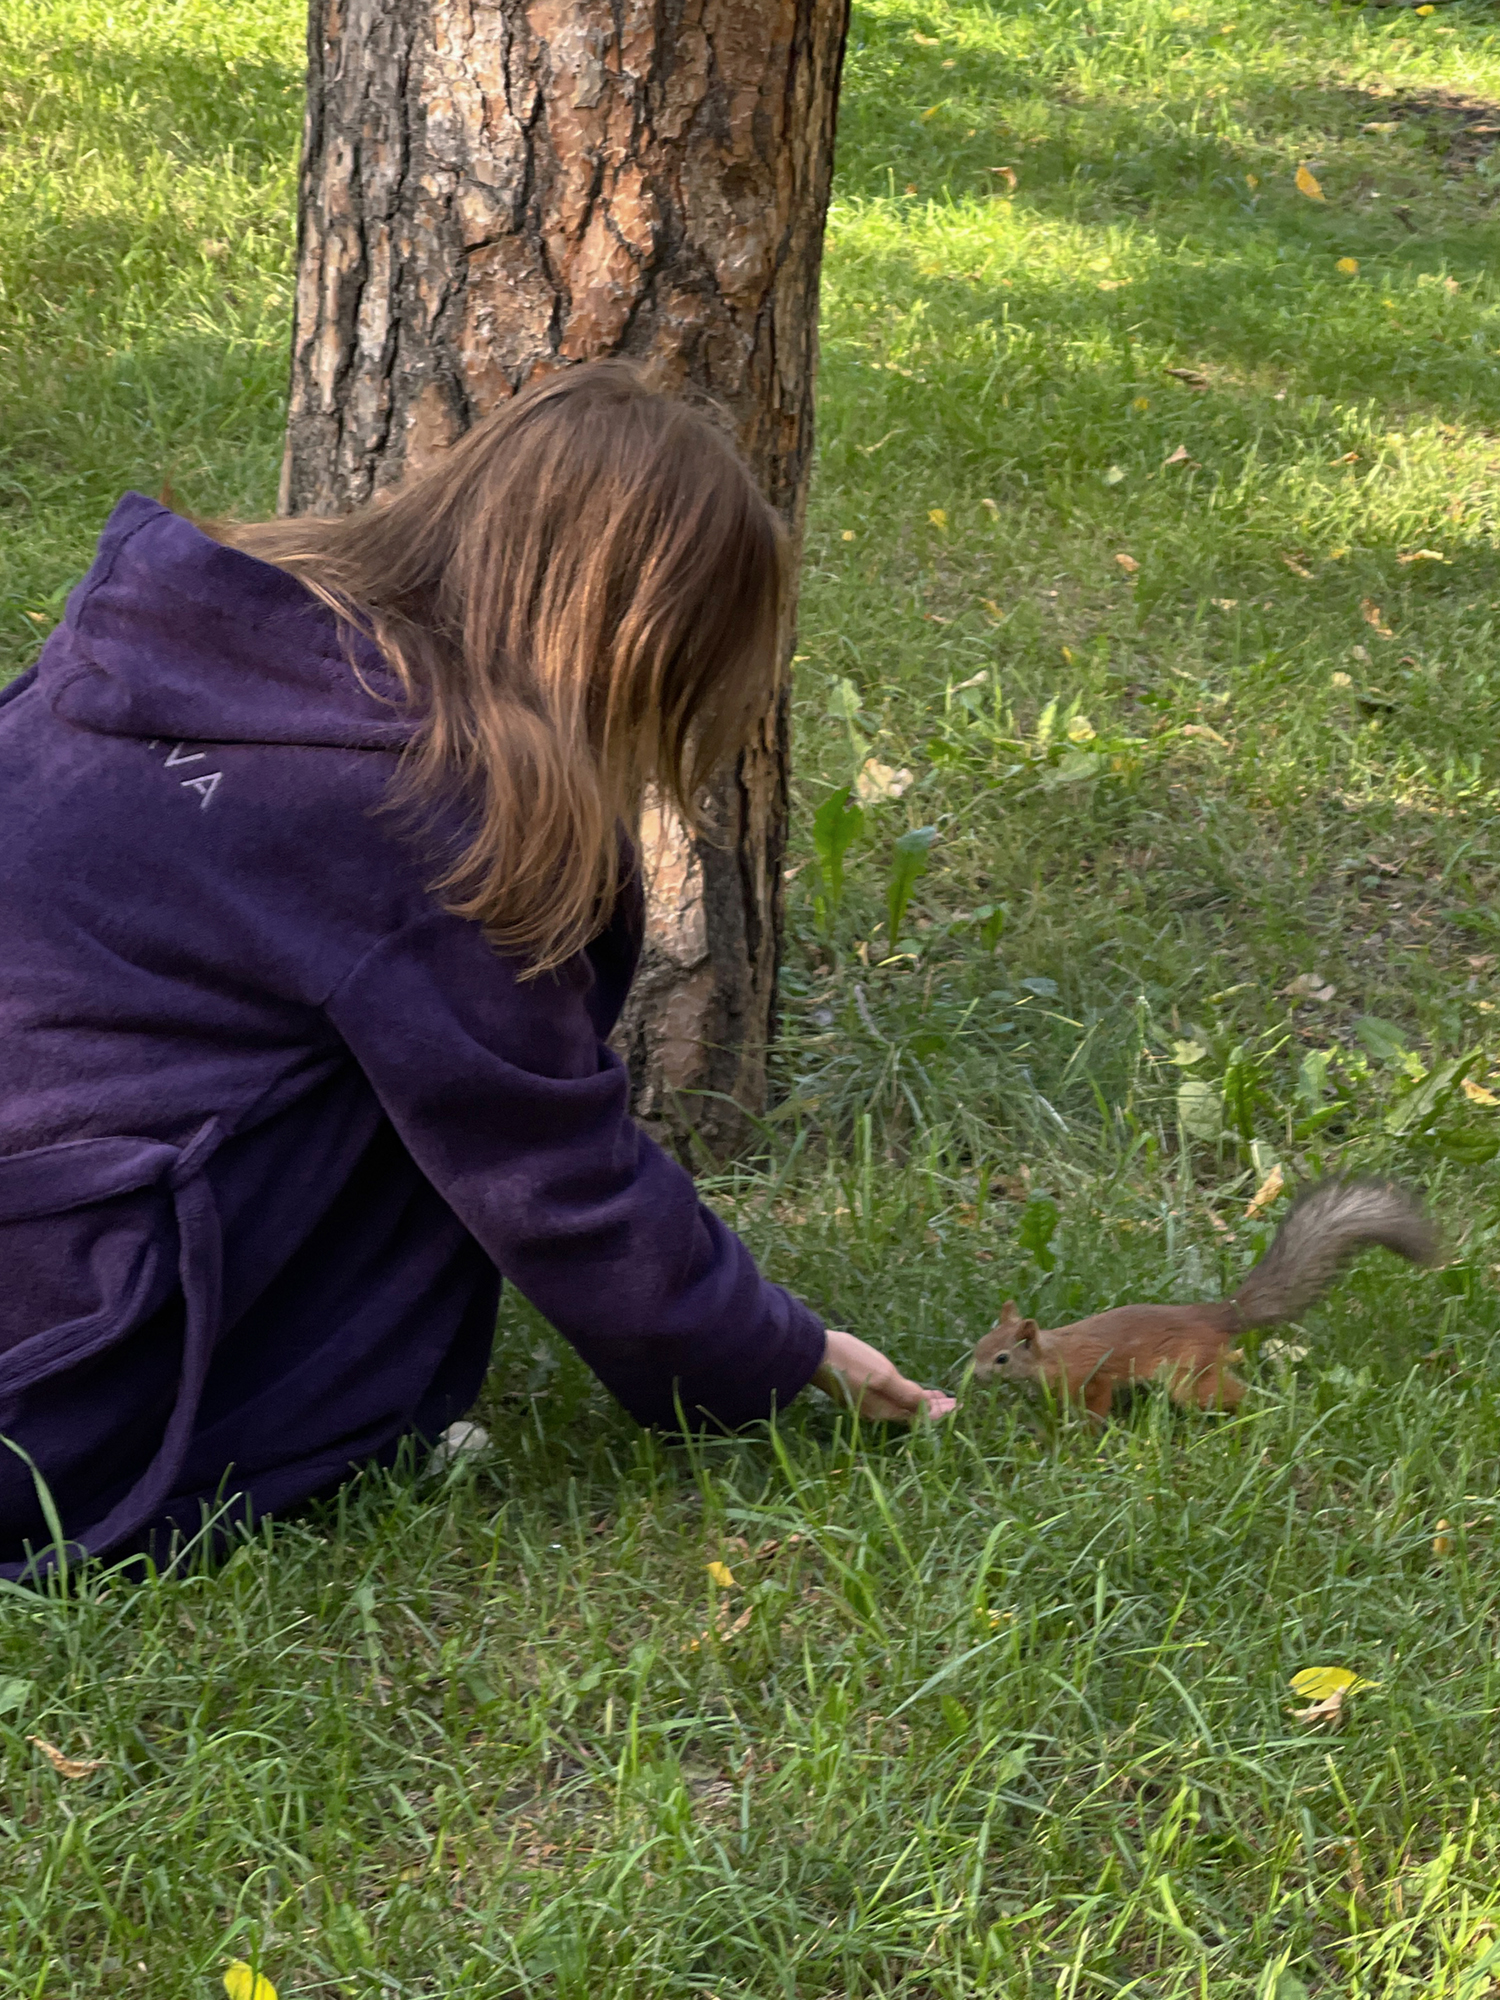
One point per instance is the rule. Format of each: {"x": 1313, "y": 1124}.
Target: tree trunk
{"x": 492, "y": 189}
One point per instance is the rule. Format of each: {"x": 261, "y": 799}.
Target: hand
{"x": 860, "y": 1377}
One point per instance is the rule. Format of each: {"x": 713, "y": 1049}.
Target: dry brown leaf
{"x": 1309, "y": 986}
{"x": 67, "y": 1767}
{"x": 1283, "y": 1350}
{"x": 1194, "y": 377}
{"x": 1128, "y": 564}
{"x": 1308, "y": 184}
{"x": 1178, "y": 457}
{"x": 1476, "y": 1092}
{"x": 1442, "y": 1542}
{"x": 1369, "y": 610}
{"x": 1330, "y": 1709}
{"x": 1224, "y": 603}
{"x": 1297, "y": 568}
{"x": 776, "y": 1544}
{"x": 878, "y": 781}
{"x": 1423, "y": 555}
{"x": 1206, "y": 735}
{"x": 1008, "y": 175}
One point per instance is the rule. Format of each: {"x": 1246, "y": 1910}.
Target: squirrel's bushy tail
{"x": 1323, "y": 1228}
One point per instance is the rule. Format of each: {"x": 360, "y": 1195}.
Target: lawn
{"x": 1152, "y": 588}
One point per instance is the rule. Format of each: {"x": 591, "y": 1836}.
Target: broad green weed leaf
{"x": 843, "y": 701}
{"x": 836, "y": 826}
{"x": 1424, "y": 1105}
{"x": 1074, "y": 767}
{"x": 14, "y": 1695}
{"x": 989, "y": 920}
{"x": 1035, "y": 1231}
{"x": 1383, "y": 1039}
{"x": 1200, "y": 1109}
{"x": 911, "y": 851}
{"x": 1312, "y": 1076}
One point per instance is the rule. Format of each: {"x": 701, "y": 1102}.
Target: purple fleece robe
{"x": 272, "y": 1123}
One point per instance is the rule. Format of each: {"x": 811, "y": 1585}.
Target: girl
{"x": 316, "y": 915}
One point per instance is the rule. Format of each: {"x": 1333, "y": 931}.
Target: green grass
{"x": 1011, "y": 1717}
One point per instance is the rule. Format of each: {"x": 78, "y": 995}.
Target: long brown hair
{"x": 580, "y": 600}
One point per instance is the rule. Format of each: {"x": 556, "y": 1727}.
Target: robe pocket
{"x": 89, "y": 1248}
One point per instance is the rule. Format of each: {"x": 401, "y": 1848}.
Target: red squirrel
{"x": 1188, "y": 1348}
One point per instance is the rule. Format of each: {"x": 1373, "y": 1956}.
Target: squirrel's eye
{"x": 1002, "y": 1357}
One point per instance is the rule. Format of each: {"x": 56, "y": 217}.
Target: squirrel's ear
{"x": 1010, "y": 1317}
{"x": 1026, "y": 1331}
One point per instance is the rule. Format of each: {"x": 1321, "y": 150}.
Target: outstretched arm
{"x": 519, "y": 1116}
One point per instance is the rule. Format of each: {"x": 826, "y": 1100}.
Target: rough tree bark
{"x": 492, "y": 188}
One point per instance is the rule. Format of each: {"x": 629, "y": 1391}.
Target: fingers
{"x": 860, "y": 1377}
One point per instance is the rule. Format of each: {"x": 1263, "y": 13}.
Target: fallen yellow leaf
{"x": 722, "y": 1575}
{"x": 1141, "y": 403}
{"x": 1318, "y": 1683}
{"x": 1348, "y": 265}
{"x": 1266, "y": 1193}
{"x": 1476, "y": 1092}
{"x": 1426, "y": 8}
{"x": 1442, "y": 1542}
{"x": 939, "y": 518}
{"x": 1128, "y": 564}
{"x": 1252, "y": 180}
{"x": 1297, "y": 568}
{"x": 848, "y": 535}
{"x": 1423, "y": 555}
{"x": 65, "y": 1766}
{"x": 242, "y": 1982}
{"x": 1307, "y": 183}
{"x": 1206, "y": 735}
